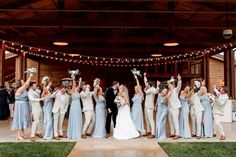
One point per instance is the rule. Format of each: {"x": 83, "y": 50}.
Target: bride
{"x": 125, "y": 128}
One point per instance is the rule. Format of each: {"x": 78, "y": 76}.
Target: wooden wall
{"x": 216, "y": 72}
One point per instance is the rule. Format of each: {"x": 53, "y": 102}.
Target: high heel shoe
{"x": 24, "y": 137}
{"x": 19, "y": 138}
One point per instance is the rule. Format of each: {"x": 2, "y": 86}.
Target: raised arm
{"x": 179, "y": 84}
{"x": 158, "y": 87}
{"x": 73, "y": 84}
{"x": 54, "y": 94}
{"x": 215, "y": 90}
{"x": 168, "y": 95}
{"x": 80, "y": 81}
{"x": 24, "y": 86}
{"x": 145, "y": 79}
{"x": 190, "y": 93}
{"x": 137, "y": 81}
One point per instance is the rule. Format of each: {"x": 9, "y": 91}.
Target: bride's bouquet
{"x": 119, "y": 100}
{"x": 31, "y": 71}
{"x": 136, "y": 72}
{"x": 73, "y": 73}
{"x": 96, "y": 83}
{"x": 45, "y": 80}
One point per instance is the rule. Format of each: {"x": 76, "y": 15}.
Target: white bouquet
{"x": 212, "y": 98}
{"x": 45, "y": 79}
{"x": 73, "y": 73}
{"x": 197, "y": 84}
{"x": 120, "y": 101}
{"x": 31, "y": 71}
{"x": 136, "y": 72}
{"x": 172, "y": 79}
{"x": 96, "y": 83}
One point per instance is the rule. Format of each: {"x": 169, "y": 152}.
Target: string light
{"x": 135, "y": 61}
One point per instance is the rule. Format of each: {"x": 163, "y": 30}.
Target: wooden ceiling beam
{"x": 106, "y": 40}
{"x": 111, "y": 24}
{"x": 119, "y": 11}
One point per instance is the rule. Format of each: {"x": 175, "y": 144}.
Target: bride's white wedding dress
{"x": 125, "y": 128}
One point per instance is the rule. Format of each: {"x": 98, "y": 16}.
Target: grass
{"x": 36, "y": 149}
{"x": 200, "y": 149}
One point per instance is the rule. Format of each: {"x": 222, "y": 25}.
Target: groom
{"x": 111, "y": 106}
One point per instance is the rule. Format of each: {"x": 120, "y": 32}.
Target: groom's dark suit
{"x": 110, "y": 97}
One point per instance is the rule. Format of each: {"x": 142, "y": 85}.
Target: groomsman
{"x": 111, "y": 106}
{"x": 59, "y": 110}
{"x": 218, "y": 109}
{"x": 196, "y": 112}
{"x": 150, "y": 92}
{"x": 173, "y": 107}
{"x": 37, "y": 112}
{"x": 88, "y": 109}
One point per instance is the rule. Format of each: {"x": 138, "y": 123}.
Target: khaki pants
{"x": 150, "y": 120}
{"x": 217, "y": 124}
{"x": 173, "y": 117}
{"x": 37, "y": 125}
{"x": 89, "y": 122}
{"x": 58, "y": 122}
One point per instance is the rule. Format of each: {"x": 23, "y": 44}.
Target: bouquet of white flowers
{"x": 73, "y": 73}
{"x": 119, "y": 100}
{"x": 96, "y": 83}
{"x": 172, "y": 79}
{"x": 45, "y": 79}
{"x": 31, "y": 71}
{"x": 136, "y": 72}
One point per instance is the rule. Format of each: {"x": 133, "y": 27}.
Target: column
{"x": 2, "y": 62}
{"x": 205, "y": 69}
{"x": 229, "y": 72}
{"x": 20, "y": 67}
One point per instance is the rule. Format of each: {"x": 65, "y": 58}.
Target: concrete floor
{"x": 7, "y": 135}
{"x": 140, "y": 147}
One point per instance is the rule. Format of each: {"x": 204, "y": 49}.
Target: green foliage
{"x": 200, "y": 149}
{"x": 36, "y": 149}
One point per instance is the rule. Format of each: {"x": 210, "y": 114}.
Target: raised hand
{"x": 145, "y": 74}
{"x": 179, "y": 77}
{"x": 50, "y": 84}
{"x": 214, "y": 86}
{"x": 203, "y": 82}
{"x": 158, "y": 83}
{"x": 31, "y": 75}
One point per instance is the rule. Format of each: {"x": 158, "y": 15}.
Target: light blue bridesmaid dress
{"x": 207, "y": 116}
{"x": 48, "y": 104}
{"x": 137, "y": 113}
{"x": 21, "y": 118}
{"x": 184, "y": 130}
{"x": 74, "y": 130}
{"x": 100, "y": 125}
{"x": 161, "y": 118}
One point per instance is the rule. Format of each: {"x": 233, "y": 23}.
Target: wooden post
{"x": 20, "y": 67}
{"x": 205, "y": 69}
{"x": 2, "y": 62}
{"x": 229, "y": 72}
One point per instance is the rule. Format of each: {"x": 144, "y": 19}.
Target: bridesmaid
{"x": 184, "y": 113}
{"x": 161, "y": 107}
{"x": 207, "y": 113}
{"x": 100, "y": 125}
{"x": 137, "y": 112}
{"x": 48, "y": 104}
{"x": 74, "y": 130}
{"x": 21, "y": 118}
